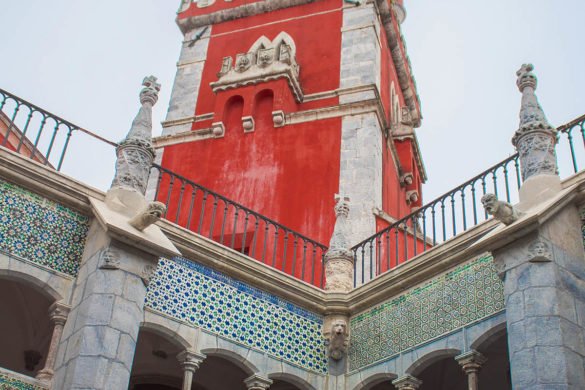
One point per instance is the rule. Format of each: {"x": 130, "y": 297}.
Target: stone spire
{"x": 339, "y": 259}
{"x": 535, "y": 139}
{"x": 135, "y": 153}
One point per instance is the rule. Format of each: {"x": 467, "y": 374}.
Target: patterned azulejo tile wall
{"x": 468, "y": 293}
{"x": 8, "y": 382}
{"x": 208, "y": 299}
{"x": 40, "y": 230}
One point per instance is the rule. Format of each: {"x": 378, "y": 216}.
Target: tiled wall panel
{"x": 208, "y": 299}
{"x": 468, "y": 293}
{"x": 41, "y": 230}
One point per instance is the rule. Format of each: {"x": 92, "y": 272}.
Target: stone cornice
{"x": 188, "y": 23}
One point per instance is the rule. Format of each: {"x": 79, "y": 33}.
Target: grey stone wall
{"x": 99, "y": 338}
{"x": 361, "y": 172}
{"x": 360, "y": 51}
{"x": 545, "y": 305}
{"x": 187, "y": 80}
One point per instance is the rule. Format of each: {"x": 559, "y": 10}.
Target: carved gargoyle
{"x": 502, "y": 211}
{"x": 338, "y": 339}
{"x": 152, "y": 213}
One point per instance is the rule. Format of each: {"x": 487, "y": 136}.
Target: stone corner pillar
{"x": 407, "y": 382}
{"x": 58, "y": 313}
{"x": 339, "y": 259}
{"x": 544, "y": 293}
{"x": 257, "y": 382}
{"x": 190, "y": 362}
{"x": 97, "y": 347}
{"x": 471, "y": 362}
{"x": 535, "y": 142}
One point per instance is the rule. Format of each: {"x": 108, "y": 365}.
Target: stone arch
{"x": 375, "y": 379}
{"x": 260, "y": 43}
{"x": 292, "y": 379}
{"x": 233, "y": 357}
{"x": 487, "y": 337}
{"x": 39, "y": 280}
{"x": 167, "y": 333}
{"x": 283, "y": 37}
{"x": 426, "y": 360}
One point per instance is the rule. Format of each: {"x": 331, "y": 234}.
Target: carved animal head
{"x": 156, "y": 209}
{"x": 339, "y": 328}
{"x": 490, "y": 203}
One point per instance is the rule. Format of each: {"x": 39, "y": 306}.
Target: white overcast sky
{"x": 84, "y": 60}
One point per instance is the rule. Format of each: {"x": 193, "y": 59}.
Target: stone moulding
{"x": 256, "y": 75}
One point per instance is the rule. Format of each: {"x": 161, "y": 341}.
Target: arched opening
{"x": 25, "y": 327}
{"x": 232, "y": 114}
{"x": 263, "y": 106}
{"x": 495, "y": 372}
{"x": 155, "y": 363}
{"x": 381, "y": 381}
{"x": 218, "y": 373}
{"x": 283, "y": 381}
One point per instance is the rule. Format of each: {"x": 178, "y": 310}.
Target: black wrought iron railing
{"x": 36, "y": 133}
{"x": 209, "y": 214}
{"x": 457, "y": 210}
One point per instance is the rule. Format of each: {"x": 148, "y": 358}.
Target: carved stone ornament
{"x": 278, "y": 118}
{"x": 406, "y": 179}
{"x": 535, "y": 138}
{"x": 265, "y": 61}
{"x": 337, "y": 339}
{"x": 136, "y": 153}
{"x": 244, "y": 62}
{"x": 502, "y": 211}
{"x": 265, "y": 57}
{"x": 148, "y": 271}
{"x": 153, "y": 212}
{"x": 226, "y": 66}
{"x": 109, "y": 259}
{"x": 339, "y": 259}
{"x": 248, "y": 124}
{"x": 257, "y": 382}
{"x": 218, "y": 129}
{"x": 539, "y": 252}
{"x": 412, "y": 196}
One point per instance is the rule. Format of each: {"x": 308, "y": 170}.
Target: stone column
{"x": 58, "y": 313}
{"x": 407, "y": 382}
{"x": 471, "y": 363}
{"x": 257, "y": 382}
{"x": 535, "y": 142}
{"x": 190, "y": 361}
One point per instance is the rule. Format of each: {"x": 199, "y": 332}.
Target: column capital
{"x": 407, "y": 382}
{"x": 257, "y": 382}
{"x": 58, "y": 312}
{"x": 190, "y": 360}
{"x": 471, "y": 361}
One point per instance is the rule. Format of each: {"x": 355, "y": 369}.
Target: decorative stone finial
{"x": 502, "y": 211}
{"x": 135, "y": 155}
{"x": 339, "y": 259}
{"x": 535, "y": 138}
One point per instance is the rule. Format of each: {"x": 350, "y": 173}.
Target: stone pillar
{"x": 471, "y": 363}
{"x": 339, "y": 259}
{"x": 190, "y": 361}
{"x": 98, "y": 343}
{"x": 58, "y": 313}
{"x": 535, "y": 142}
{"x": 257, "y": 382}
{"x": 119, "y": 258}
{"x": 544, "y": 292}
{"x": 407, "y": 382}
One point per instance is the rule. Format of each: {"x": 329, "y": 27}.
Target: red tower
{"x": 280, "y": 105}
